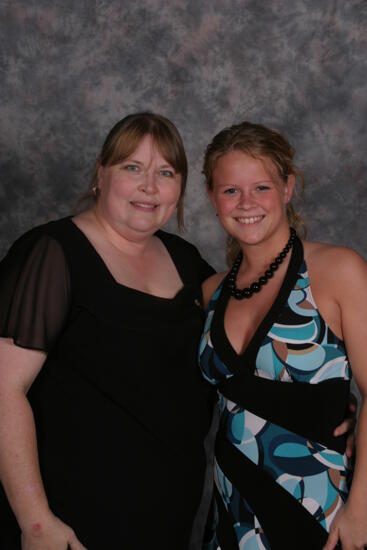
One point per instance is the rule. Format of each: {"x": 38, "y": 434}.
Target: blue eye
{"x": 167, "y": 173}
{"x": 230, "y": 191}
{"x": 131, "y": 168}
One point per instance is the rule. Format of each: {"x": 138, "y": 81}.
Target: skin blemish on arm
{"x": 36, "y": 529}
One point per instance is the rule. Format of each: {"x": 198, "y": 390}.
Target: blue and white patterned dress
{"x": 281, "y": 475}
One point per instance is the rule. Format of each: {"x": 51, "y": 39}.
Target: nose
{"x": 148, "y": 184}
{"x": 246, "y": 201}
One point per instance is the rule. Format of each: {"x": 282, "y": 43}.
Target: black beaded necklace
{"x": 256, "y": 286}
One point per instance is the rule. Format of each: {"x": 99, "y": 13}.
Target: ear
{"x": 289, "y": 188}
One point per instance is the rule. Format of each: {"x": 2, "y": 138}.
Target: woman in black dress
{"x": 100, "y": 319}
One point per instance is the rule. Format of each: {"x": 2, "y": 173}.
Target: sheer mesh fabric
{"x": 34, "y": 292}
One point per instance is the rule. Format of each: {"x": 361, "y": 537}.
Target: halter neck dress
{"x": 281, "y": 475}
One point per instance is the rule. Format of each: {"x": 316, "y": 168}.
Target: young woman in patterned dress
{"x": 285, "y": 327}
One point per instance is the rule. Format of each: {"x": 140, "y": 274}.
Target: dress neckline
{"x": 104, "y": 270}
{"x": 233, "y": 360}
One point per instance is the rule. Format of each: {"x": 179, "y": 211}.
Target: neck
{"x": 257, "y": 257}
{"x": 249, "y": 290}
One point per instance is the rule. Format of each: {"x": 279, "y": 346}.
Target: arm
{"x": 348, "y": 426}
{"x": 350, "y": 524}
{"x": 19, "y": 467}
{"x": 210, "y": 285}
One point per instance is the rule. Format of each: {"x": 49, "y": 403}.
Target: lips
{"x": 249, "y": 220}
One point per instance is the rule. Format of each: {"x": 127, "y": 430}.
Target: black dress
{"x": 120, "y": 409}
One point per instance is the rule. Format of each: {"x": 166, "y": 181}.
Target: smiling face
{"x": 138, "y": 195}
{"x": 250, "y": 197}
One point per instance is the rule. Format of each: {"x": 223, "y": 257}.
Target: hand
{"x": 50, "y": 534}
{"x": 348, "y": 425}
{"x": 350, "y": 528}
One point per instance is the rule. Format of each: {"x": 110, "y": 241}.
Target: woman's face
{"x": 250, "y": 197}
{"x": 140, "y": 194}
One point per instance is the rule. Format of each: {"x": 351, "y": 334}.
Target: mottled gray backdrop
{"x": 70, "y": 69}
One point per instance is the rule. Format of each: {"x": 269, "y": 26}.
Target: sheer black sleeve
{"x": 35, "y": 292}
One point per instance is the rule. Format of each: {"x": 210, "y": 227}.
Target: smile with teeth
{"x": 147, "y": 206}
{"x": 250, "y": 220}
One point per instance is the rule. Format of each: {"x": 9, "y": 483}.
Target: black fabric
{"x": 225, "y": 532}
{"x": 310, "y": 410}
{"x": 292, "y": 527}
{"x": 121, "y": 410}
{"x": 34, "y": 292}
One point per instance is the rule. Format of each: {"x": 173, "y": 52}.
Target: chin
{"x": 254, "y": 237}
{"x": 251, "y": 233}
{"x": 146, "y": 228}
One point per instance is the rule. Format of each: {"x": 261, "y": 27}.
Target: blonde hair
{"x": 125, "y": 137}
{"x": 259, "y": 142}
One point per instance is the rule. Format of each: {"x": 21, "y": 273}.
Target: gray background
{"x": 70, "y": 69}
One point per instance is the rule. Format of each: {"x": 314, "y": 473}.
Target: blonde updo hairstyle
{"x": 259, "y": 142}
{"x": 125, "y": 137}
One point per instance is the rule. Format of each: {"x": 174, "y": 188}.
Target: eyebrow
{"x": 229, "y": 184}
{"x": 142, "y": 164}
{"x": 133, "y": 160}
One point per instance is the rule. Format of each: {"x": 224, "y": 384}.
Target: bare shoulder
{"x": 342, "y": 263}
{"x": 211, "y": 284}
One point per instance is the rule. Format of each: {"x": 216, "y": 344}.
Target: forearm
{"x": 358, "y": 494}
{"x": 19, "y": 466}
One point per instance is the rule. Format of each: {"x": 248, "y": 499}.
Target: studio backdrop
{"x": 70, "y": 70}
